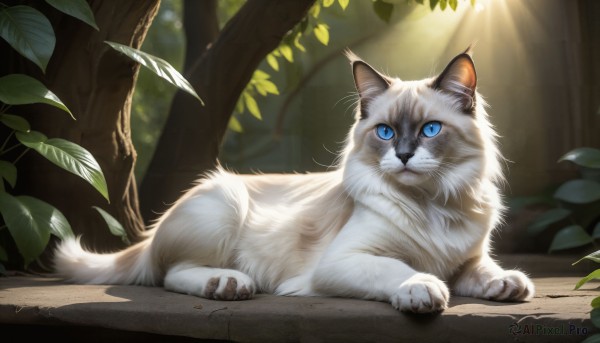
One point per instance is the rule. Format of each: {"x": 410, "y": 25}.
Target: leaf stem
{"x": 11, "y": 148}
{"x": 4, "y": 108}
{"x": 2, "y": 151}
{"x": 19, "y": 157}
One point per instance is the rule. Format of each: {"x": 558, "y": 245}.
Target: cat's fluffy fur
{"x": 374, "y": 228}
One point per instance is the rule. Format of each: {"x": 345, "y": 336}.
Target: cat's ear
{"x": 369, "y": 83}
{"x": 459, "y": 79}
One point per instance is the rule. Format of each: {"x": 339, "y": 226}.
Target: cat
{"x": 407, "y": 214}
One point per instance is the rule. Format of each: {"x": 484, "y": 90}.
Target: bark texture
{"x": 190, "y": 141}
{"x": 96, "y": 83}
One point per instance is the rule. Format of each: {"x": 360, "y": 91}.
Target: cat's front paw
{"x": 511, "y": 285}
{"x": 236, "y": 286}
{"x": 422, "y": 293}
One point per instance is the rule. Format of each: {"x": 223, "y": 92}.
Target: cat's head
{"x": 430, "y": 134}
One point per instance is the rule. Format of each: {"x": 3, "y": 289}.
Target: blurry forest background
{"x": 537, "y": 64}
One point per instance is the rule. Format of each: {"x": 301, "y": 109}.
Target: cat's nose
{"x": 404, "y": 157}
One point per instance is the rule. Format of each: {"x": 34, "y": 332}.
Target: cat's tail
{"x": 130, "y": 266}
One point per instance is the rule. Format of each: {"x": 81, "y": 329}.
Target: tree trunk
{"x": 190, "y": 141}
{"x": 96, "y": 83}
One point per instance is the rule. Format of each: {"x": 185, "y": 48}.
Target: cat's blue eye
{"x": 384, "y": 132}
{"x": 431, "y": 129}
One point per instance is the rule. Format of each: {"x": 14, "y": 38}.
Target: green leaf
{"x": 69, "y": 156}
{"x": 453, "y": 4}
{"x": 158, "y": 66}
{"x": 321, "y": 31}
{"x": 234, "y": 125}
{"x": 269, "y": 87}
{"x": 595, "y": 338}
{"x": 19, "y": 89}
{"x": 595, "y": 316}
{"x": 16, "y": 123}
{"x": 286, "y": 51}
{"x": 443, "y": 4}
{"x": 251, "y": 105}
{"x": 595, "y": 256}
{"x": 29, "y": 226}
{"x": 596, "y": 302}
{"x": 593, "y": 275}
{"x": 315, "y": 10}
{"x": 260, "y": 75}
{"x": 29, "y": 32}
{"x": 584, "y": 157}
{"x": 8, "y": 172}
{"x": 578, "y": 191}
{"x": 542, "y": 221}
{"x": 383, "y": 10}
{"x": 3, "y": 254}
{"x": 328, "y": 3}
{"x": 297, "y": 43}
{"x": 239, "y": 106}
{"x": 344, "y": 4}
{"x": 113, "y": 225}
{"x": 272, "y": 61}
{"x": 433, "y": 3}
{"x": 58, "y": 223}
{"x": 260, "y": 88}
{"x": 76, "y": 8}
{"x": 570, "y": 237}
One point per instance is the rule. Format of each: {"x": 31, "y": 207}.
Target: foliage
{"x": 575, "y": 205}
{"x": 31, "y": 221}
{"x": 292, "y": 44}
{"x": 595, "y": 313}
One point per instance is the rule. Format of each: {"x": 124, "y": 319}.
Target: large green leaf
{"x": 29, "y": 32}
{"x": 595, "y": 256}
{"x": 19, "y": 89}
{"x": 16, "y": 123}
{"x": 28, "y": 226}
{"x": 570, "y": 237}
{"x": 585, "y": 157}
{"x": 59, "y": 225}
{"x": 113, "y": 225}
{"x": 158, "y": 66}
{"x": 67, "y": 155}
{"x": 76, "y": 8}
{"x": 593, "y": 275}
{"x": 578, "y": 191}
{"x": 545, "y": 219}
{"x": 8, "y": 172}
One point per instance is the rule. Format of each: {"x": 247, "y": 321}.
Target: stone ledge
{"x": 554, "y": 315}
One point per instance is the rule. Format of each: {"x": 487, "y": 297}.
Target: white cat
{"x": 407, "y": 214}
